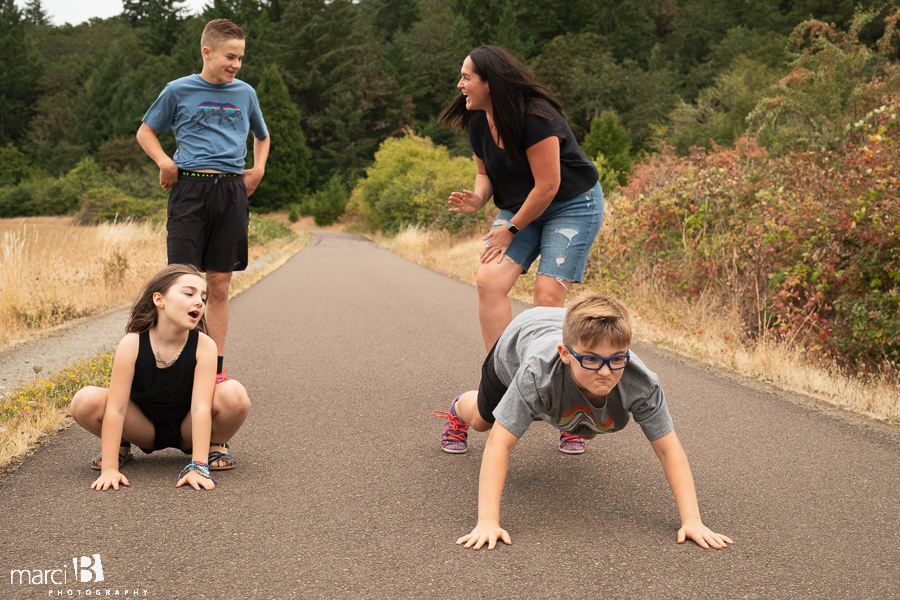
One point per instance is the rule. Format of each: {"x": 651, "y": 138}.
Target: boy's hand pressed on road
{"x": 703, "y": 535}
{"x": 485, "y": 531}
{"x": 109, "y": 478}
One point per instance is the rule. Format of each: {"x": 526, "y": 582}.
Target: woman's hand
{"x": 466, "y": 202}
{"x": 496, "y": 242}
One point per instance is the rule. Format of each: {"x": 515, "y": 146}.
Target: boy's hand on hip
{"x": 703, "y": 535}
{"x": 252, "y": 177}
{"x": 485, "y": 531}
{"x": 168, "y": 175}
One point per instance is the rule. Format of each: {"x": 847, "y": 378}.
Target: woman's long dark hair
{"x": 143, "y": 311}
{"x": 512, "y": 86}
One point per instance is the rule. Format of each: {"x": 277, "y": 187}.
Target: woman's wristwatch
{"x": 512, "y": 228}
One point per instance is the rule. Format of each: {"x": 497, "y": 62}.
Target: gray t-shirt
{"x": 210, "y": 121}
{"x": 540, "y": 383}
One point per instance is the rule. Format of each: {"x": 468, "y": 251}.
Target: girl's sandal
{"x": 216, "y": 456}
{"x": 123, "y": 458}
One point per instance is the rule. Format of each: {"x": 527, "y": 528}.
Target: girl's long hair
{"x": 143, "y": 311}
{"x": 512, "y": 86}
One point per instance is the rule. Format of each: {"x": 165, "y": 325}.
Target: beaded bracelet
{"x": 199, "y": 466}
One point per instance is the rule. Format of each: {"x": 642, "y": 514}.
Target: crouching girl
{"x": 163, "y": 391}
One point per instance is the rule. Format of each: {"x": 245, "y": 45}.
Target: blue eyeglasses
{"x": 595, "y": 363}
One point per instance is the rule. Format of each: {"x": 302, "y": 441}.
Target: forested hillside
{"x": 356, "y": 73}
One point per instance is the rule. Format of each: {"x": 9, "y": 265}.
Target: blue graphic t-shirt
{"x": 210, "y": 122}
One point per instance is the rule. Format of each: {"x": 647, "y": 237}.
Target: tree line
{"x": 336, "y": 78}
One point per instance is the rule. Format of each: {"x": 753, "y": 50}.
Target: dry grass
{"x": 705, "y": 330}
{"x": 52, "y": 271}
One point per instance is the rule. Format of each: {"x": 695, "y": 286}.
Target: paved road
{"x": 342, "y": 490}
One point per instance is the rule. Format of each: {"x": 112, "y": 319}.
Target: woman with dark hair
{"x": 547, "y": 190}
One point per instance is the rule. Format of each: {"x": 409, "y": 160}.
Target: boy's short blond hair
{"x": 594, "y": 318}
{"x": 219, "y": 30}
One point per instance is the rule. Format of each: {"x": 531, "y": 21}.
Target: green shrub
{"x": 264, "y": 229}
{"x": 409, "y": 183}
{"x": 808, "y": 242}
{"x": 122, "y": 155}
{"x": 608, "y": 144}
{"x": 294, "y": 214}
{"x": 330, "y": 203}
{"x": 13, "y": 166}
{"x": 39, "y": 197}
{"x": 110, "y": 204}
{"x": 835, "y": 80}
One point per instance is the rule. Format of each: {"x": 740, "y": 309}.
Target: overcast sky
{"x": 78, "y": 11}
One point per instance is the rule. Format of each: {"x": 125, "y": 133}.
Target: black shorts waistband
{"x": 198, "y": 175}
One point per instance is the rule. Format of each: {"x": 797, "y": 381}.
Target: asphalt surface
{"x": 342, "y": 491}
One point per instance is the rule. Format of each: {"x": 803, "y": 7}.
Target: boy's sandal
{"x": 123, "y": 458}
{"x": 216, "y": 456}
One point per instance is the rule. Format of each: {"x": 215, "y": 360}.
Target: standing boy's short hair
{"x": 219, "y": 30}
{"x": 593, "y": 318}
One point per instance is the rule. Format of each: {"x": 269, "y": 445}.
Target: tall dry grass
{"x": 52, "y": 271}
{"x": 707, "y": 329}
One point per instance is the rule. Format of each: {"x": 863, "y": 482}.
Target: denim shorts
{"x": 562, "y": 236}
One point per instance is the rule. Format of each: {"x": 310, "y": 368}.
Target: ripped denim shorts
{"x": 562, "y": 236}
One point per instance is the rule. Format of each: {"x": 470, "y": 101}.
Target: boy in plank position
{"x": 573, "y": 369}
{"x": 211, "y": 115}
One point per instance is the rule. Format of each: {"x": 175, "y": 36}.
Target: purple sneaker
{"x": 453, "y": 438}
{"x": 570, "y": 444}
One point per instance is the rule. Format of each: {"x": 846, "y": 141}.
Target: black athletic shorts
{"x": 490, "y": 390}
{"x": 208, "y": 216}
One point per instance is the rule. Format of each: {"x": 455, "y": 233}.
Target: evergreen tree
{"x": 13, "y": 166}
{"x": 508, "y": 34}
{"x": 161, "y": 22}
{"x": 19, "y": 75}
{"x": 332, "y": 64}
{"x": 392, "y": 16}
{"x": 609, "y": 139}
{"x": 35, "y": 13}
{"x": 287, "y": 168}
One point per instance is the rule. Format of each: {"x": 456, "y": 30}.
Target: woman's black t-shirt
{"x": 512, "y": 182}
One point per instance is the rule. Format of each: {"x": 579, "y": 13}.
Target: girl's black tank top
{"x": 164, "y": 394}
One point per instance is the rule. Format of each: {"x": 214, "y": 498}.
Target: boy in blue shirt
{"x": 573, "y": 369}
{"x": 208, "y": 212}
